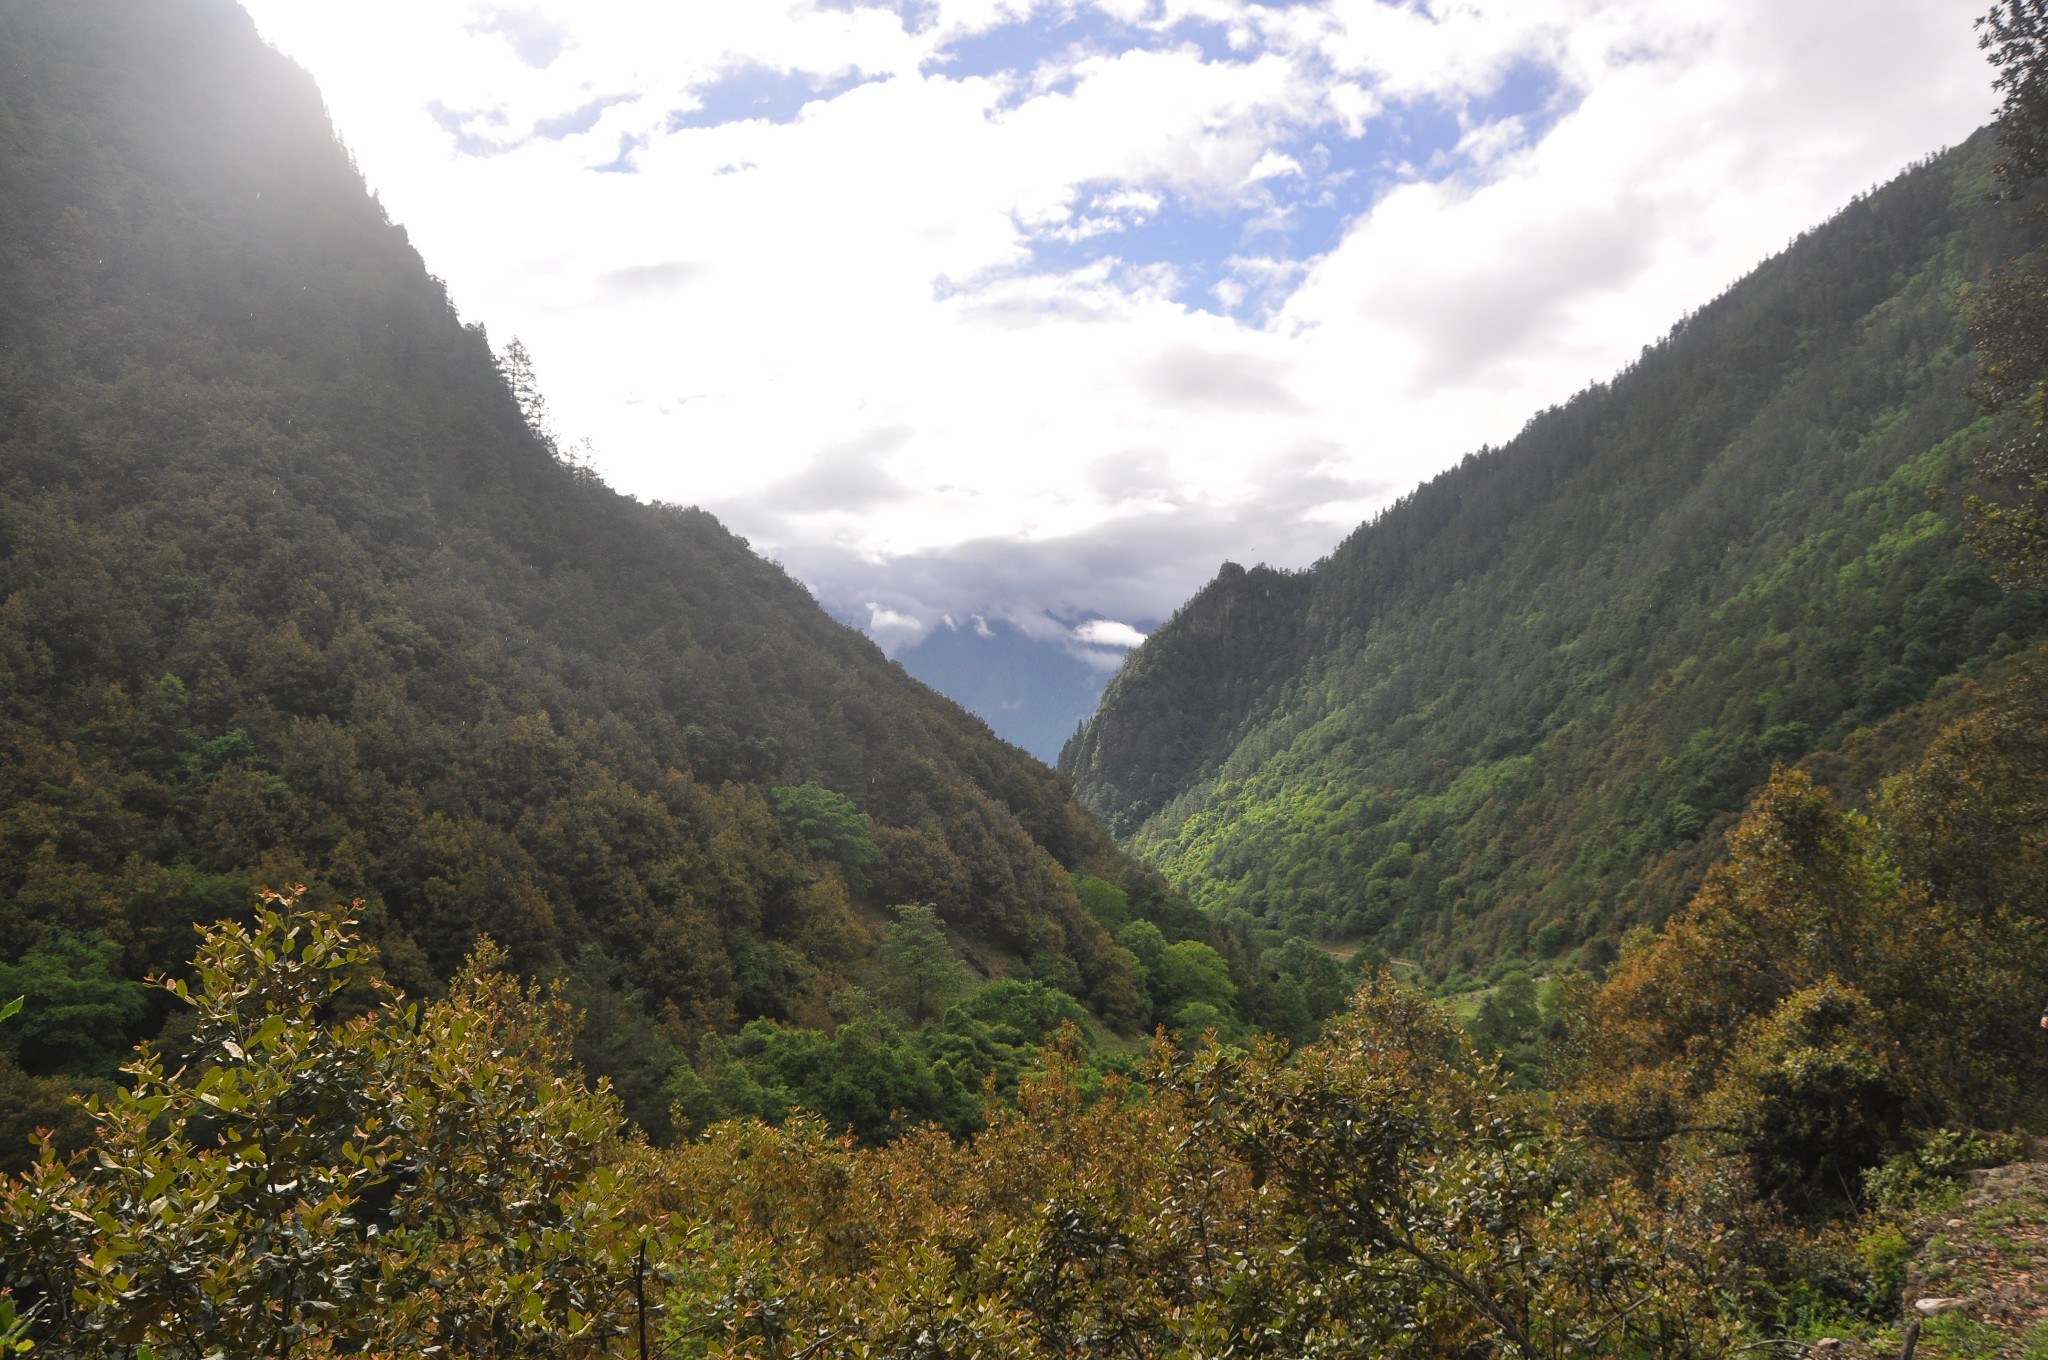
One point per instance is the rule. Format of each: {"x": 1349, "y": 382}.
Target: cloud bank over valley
{"x": 1033, "y": 311}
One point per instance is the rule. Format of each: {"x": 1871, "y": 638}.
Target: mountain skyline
{"x": 1593, "y": 913}
{"x": 1037, "y": 312}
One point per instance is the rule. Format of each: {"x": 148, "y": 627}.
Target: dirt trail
{"x": 1979, "y": 1282}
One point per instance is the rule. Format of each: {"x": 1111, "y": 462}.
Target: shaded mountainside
{"x": 289, "y": 593}
{"x": 1512, "y": 714}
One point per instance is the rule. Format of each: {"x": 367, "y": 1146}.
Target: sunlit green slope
{"x": 1512, "y": 713}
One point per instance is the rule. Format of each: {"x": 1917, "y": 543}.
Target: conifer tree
{"x": 923, "y": 973}
{"x": 517, "y": 364}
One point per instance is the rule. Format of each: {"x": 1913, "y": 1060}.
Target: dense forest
{"x": 1742, "y": 1138}
{"x": 602, "y": 953}
{"x": 1513, "y": 715}
{"x": 294, "y": 593}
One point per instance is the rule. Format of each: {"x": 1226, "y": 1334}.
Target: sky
{"x": 1036, "y": 311}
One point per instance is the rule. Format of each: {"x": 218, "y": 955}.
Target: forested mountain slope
{"x": 1513, "y": 712}
{"x": 289, "y": 593}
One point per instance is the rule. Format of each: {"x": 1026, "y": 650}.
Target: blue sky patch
{"x": 622, "y": 164}
{"x": 1058, "y": 35}
{"x": 486, "y": 132}
{"x": 915, "y": 14}
{"x": 1218, "y": 250}
{"x": 1210, "y": 38}
{"x": 1533, "y": 92}
{"x": 578, "y": 120}
{"x": 1021, "y": 47}
{"x": 457, "y": 124}
{"x": 763, "y": 93}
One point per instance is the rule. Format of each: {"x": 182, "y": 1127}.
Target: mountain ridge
{"x": 1479, "y": 660}
{"x": 290, "y": 593}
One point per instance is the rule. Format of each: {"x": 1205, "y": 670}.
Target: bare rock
{"x": 1929, "y": 1307}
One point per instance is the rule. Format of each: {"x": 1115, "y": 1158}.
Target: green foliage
{"x": 618, "y": 1037}
{"x": 867, "y": 1077}
{"x": 826, "y": 824}
{"x": 412, "y": 1178}
{"x": 1508, "y": 1015}
{"x": 1811, "y": 1091}
{"x": 2014, "y": 36}
{"x": 1927, "y": 1176}
{"x": 408, "y": 1180}
{"x": 921, "y": 973}
{"x": 1820, "y": 998}
{"x": 76, "y": 1009}
{"x": 1302, "y": 985}
{"x": 1512, "y": 714}
{"x": 1186, "y": 982}
{"x": 1748, "y": 1018}
{"x": 2008, "y": 315}
{"x": 1428, "y": 1209}
{"x": 873, "y": 1077}
{"x": 1022, "y": 1015}
{"x": 1107, "y": 903}
{"x": 1377, "y": 1193}
{"x": 1885, "y": 1252}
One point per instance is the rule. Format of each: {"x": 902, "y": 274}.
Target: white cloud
{"x": 932, "y": 342}
{"x": 1273, "y": 165}
{"x": 1109, "y": 633}
{"x": 882, "y": 619}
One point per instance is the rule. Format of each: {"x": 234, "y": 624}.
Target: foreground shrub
{"x": 419, "y": 1180}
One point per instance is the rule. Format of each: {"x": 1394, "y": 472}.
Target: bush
{"x": 408, "y": 1181}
